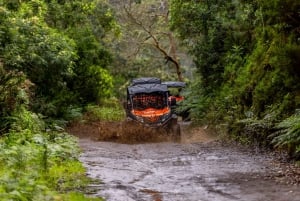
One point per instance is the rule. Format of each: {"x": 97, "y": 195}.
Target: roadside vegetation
{"x": 62, "y": 59}
{"x": 247, "y": 55}
{"x": 109, "y": 110}
{"x": 52, "y": 63}
{"x": 38, "y": 160}
{"x": 244, "y": 78}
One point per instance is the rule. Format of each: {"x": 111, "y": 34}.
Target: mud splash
{"x": 196, "y": 168}
{"x": 121, "y": 132}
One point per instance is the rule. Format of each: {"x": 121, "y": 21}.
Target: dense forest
{"x": 247, "y": 56}
{"x": 240, "y": 58}
{"x": 244, "y": 78}
{"x": 53, "y": 61}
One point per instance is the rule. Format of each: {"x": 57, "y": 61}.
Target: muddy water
{"x": 195, "y": 169}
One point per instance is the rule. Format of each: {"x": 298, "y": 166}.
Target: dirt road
{"x": 195, "y": 169}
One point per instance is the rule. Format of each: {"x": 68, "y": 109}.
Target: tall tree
{"x": 60, "y": 47}
{"x": 146, "y": 34}
{"x": 247, "y": 55}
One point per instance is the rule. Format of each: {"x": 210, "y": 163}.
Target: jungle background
{"x": 60, "y": 59}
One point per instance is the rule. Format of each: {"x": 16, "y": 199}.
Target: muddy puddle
{"x": 195, "y": 168}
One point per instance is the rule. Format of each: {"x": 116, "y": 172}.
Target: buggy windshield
{"x": 143, "y": 101}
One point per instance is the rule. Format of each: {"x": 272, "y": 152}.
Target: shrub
{"x": 39, "y": 165}
{"x": 288, "y": 135}
{"x": 105, "y": 112}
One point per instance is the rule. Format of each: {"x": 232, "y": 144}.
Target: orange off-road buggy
{"x": 150, "y": 103}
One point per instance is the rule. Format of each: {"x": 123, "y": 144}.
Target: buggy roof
{"x": 175, "y": 84}
{"x": 147, "y": 88}
{"x": 145, "y": 80}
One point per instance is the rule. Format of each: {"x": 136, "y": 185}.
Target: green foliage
{"x": 196, "y": 101}
{"x": 73, "y": 113}
{"x": 67, "y": 176}
{"x": 200, "y": 27}
{"x": 38, "y": 165}
{"x": 47, "y": 58}
{"x": 13, "y": 90}
{"x": 38, "y": 51}
{"x": 22, "y": 119}
{"x": 66, "y": 14}
{"x": 107, "y": 111}
{"x": 247, "y": 57}
{"x": 32, "y": 152}
{"x": 59, "y": 46}
{"x": 288, "y": 134}
{"x": 95, "y": 84}
{"x": 52, "y": 59}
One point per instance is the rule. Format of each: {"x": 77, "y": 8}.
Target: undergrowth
{"x": 288, "y": 134}
{"x": 36, "y": 164}
{"x": 110, "y": 110}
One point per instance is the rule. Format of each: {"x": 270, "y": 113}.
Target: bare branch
{"x": 170, "y": 54}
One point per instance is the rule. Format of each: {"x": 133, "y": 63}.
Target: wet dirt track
{"x": 195, "y": 169}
